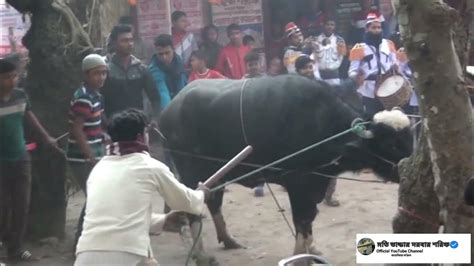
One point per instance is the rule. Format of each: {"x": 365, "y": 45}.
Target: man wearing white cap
{"x": 375, "y": 56}
{"x": 86, "y": 138}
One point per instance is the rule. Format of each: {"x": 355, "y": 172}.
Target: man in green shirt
{"x": 15, "y": 165}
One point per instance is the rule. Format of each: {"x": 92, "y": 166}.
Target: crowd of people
{"x": 120, "y": 96}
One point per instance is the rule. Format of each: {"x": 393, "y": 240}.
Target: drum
{"x": 393, "y": 90}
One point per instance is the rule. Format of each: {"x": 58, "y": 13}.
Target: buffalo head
{"x": 382, "y": 145}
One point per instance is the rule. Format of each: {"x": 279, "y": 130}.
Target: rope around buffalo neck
{"x": 242, "y": 123}
{"x": 357, "y": 128}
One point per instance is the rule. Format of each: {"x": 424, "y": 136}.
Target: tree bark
{"x": 463, "y": 29}
{"x": 426, "y": 27}
{"x": 99, "y": 18}
{"x": 418, "y": 205}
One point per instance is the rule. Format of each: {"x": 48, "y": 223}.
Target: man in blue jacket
{"x": 167, "y": 70}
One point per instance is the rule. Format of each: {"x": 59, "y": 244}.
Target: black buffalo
{"x": 279, "y": 116}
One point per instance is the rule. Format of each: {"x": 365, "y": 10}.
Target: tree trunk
{"x": 98, "y": 17}
{"x": 463, "y": 29}
{"x": 426, "y": 27}
{"x": 56, "y": 44}
{"x": 418, "y": 205}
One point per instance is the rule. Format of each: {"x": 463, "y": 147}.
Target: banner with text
{"x": 413, "y": 248}
{"x": 13, "y": 26}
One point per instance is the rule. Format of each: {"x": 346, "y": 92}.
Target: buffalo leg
{"x": 223, "y": 235}
{"x": 304, "y": 210}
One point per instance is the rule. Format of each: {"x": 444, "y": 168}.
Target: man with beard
{"x": 374, "y": 57}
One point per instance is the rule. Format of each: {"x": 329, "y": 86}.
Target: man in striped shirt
{"x": 86, "y": 138}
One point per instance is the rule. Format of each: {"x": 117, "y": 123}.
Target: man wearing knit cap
{"x": 15, "y": 164}
{"x": 294, "y": 48}
{"x": 375, "y": 57}
{"x": 86, "y": 138}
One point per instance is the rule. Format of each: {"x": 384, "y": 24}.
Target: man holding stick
{"x": 119, "y": 196}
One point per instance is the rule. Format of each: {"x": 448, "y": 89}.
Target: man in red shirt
{"x": 231, "y": 61}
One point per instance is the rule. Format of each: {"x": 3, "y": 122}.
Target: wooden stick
{"x": 228, "y": 166}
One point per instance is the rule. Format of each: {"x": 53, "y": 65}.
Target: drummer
{"x": 375, "y": 56}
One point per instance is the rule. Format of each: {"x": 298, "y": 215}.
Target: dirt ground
{"x": 256, "y": 223}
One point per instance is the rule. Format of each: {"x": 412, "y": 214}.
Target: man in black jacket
{"x": 128, "y": 78}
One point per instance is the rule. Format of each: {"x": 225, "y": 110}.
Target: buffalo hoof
{"x": 205, "y": 260}
{"x": 314, "y": 251}
{"x": 231, "y": 243}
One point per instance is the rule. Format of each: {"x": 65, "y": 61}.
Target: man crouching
{"x": 119, "y": 197}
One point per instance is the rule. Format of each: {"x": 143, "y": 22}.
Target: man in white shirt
{"x": 375, "y": 57}
{"x": 119, "y": 196}
{"x": 330, "y": 52}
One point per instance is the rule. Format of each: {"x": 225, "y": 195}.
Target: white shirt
{"x": 289, "y": 58}
{"x": 119, "y": 196}
{"x": 359, "y": 55}
{"x": 328, "y": 56}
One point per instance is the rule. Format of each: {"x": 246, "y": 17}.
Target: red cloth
{"x": 210, "y": 74}
{"x": 126, "y": 147}
{"x": 178, "y": 36}
{"x": 362, "y": 16}
{"x": 231, "y": 61}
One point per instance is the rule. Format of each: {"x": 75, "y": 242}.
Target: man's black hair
{"x": 253, "y": 56}
{"x": 177, "y": 15}
{"x": 119, "y": 29}
{"x": 164, "y": 40}
{"x": 247, "y": 39}
{"x": 125, "y": 20}
{"x": 232, "y": 27}
{"x": 302, "y": 61}
{"x": 126, "y": 125}
{"x": 199, "y": 55}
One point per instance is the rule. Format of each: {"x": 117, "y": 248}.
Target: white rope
{"x": 415, "y": 116}
{"x": 61, "y": 137}
{"x": 242, "y": 125}
{"x": 416, "y": 124}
